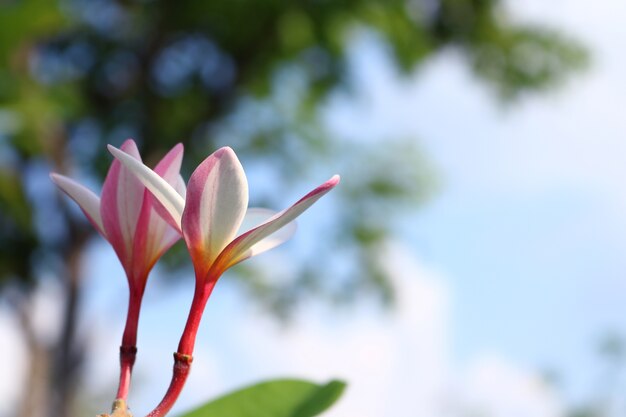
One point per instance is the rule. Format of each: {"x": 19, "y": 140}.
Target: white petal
{"x": 85, "y": 198}
{"x": 217, "y": 198}
{"x": 257, "y": 216}
{"x": 241, "y": 247}
{"x": 254, "y": 217}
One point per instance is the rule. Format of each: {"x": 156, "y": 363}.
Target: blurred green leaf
{"x": 279, "y": 398}
{"x": 22, "y": 21}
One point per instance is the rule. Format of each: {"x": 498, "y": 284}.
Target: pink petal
{"x": 167, "y": 195}
{"x": 181, "y": 187}
{"x": 169, "y": 166}
{"x": 154, "y": 235}
{"x": 244, "y": 246}
{"x": 153, "y": 238}
{"x": 85, "y": 198}
{"x": 217, "y": 197}
{"x": 121, "y": 204}
{"x": 169, "y": 169}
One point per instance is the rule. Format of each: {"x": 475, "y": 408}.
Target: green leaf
{"x": 279, "y": 398}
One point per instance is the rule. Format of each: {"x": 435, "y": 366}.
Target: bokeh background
{"x": 471, "y": 263}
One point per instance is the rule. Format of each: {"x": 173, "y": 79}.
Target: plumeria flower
{"x": 219, "y": 230}
{"x": 126, "y": 216}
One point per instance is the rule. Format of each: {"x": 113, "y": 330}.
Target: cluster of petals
{"x": 126, "y": 214}
{"x": 214, "y": 219}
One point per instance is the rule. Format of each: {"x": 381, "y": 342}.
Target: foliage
{"x": 278, "y": 398}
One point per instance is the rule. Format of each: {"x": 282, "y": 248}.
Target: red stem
{"x": 182, "y": 366}
{"x": 184, "y": 356}
{"x": 200, "y": 297}
{"x": 128, "y": 349}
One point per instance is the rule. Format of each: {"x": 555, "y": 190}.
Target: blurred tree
{"x": 77, "y": 74}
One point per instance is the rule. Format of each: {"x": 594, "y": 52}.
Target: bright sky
{"x": 528, "y": 229}
{"x": 530, "y": 224}
{"x": 515, "y": 267}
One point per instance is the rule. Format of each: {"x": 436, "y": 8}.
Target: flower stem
{"x": 128, "y": 348}
{"x": 200, "y": 297}
{"x": 182, "y": 366}
{"x": 184, "y": 356}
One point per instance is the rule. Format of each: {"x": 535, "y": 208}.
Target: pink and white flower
{"x": 219, "y": 230}
{"x": 214, "y": 219}
{"x": 125, "y": 215}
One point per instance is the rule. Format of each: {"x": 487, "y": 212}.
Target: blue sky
{"x": 528, "y": 227}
